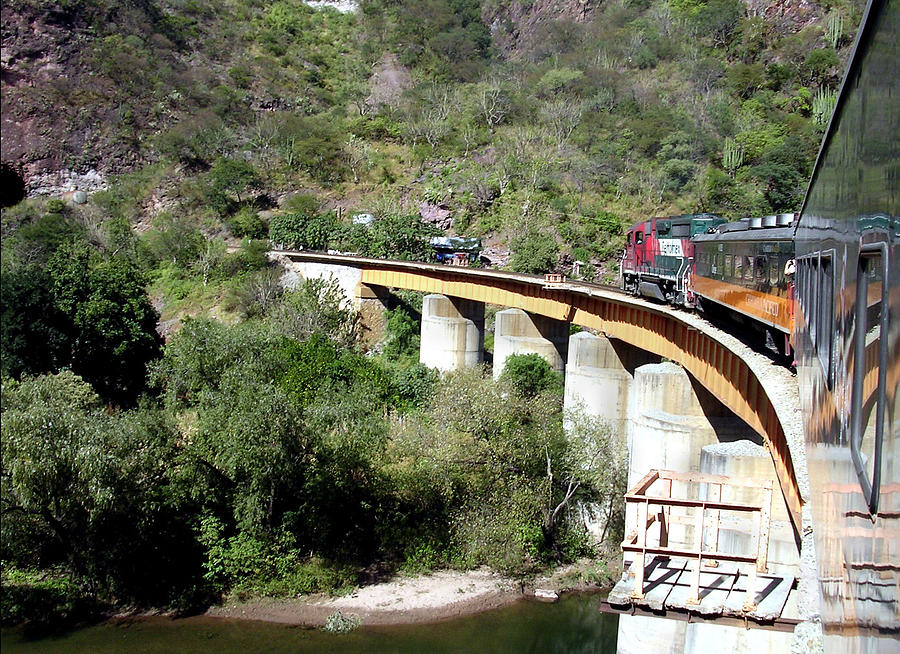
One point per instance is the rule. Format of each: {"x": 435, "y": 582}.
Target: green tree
{"x": 317, "y": 305}
{"x": 230, "y": 177}
{"x": 530, "y": 374}
{"x": 534, "y": 252}
{"x": 109, "y": 320}
{"x": 401, "y": 236}
{"x": 33, "y": 337}
{"x": 91, "y": 488}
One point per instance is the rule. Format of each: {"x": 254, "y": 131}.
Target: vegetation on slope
{"x": 511, "y": 120}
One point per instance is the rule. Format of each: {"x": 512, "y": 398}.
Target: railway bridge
{"x": 725, "y": 367}
{"x": 701, "y": 545}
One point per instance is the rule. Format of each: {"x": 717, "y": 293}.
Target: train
{"x": 742, "y": 271}
{"x": 828, "y": 281}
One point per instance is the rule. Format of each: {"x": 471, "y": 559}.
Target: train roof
{"x": 741, "y": 231}
{"x": 683, "y": 219}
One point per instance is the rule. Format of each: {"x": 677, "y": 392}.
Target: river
{"x": 574, "y": 625}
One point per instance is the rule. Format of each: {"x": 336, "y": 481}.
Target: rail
{"x": 636, "y": 541}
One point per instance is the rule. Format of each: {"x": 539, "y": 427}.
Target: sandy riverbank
{"x": 403, "y": 600}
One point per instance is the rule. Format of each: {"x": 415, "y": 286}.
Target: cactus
{"x": 822, "y": 105}
{"x": 834, "y": 31}
{"x": 732, "y": 156}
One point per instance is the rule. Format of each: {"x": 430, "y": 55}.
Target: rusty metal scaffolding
{"x": 656, "y": 509}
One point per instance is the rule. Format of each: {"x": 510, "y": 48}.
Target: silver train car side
{"x": 847, "y": 337}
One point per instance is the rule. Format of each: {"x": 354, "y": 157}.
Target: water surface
{"x": 573, "y": 625}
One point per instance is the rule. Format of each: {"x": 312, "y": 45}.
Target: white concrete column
{"x": 640, "y": 634}
{"x": 701, "y": 638}
{"x": 518, "y": 332}
{"x": 599, "y": 377}
{"x": 666, "y": 422}
{"x": 667, "y": 427}
{"x": 452, "y": 333}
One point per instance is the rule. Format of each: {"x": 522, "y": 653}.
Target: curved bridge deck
{"x": 760, "y": 393}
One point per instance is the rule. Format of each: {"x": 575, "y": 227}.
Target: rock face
{"x": 60, "y": 128}
{"x": 437, "y": 215}
{"x": 63, "y": 182}
{"x": 520, "y": 26}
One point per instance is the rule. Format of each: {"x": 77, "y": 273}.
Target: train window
{"x": 806, "y": 273}
{"x": 728, "y": 269}
{"x": 748, "y": 268}
{"x": 638, "y": 238}
{"x": 825, "y": 312}
{"x": 774, "y": 269}
{"x": 681, "y": 231}
{"x": 628, "y": 240}
{"x": 868, "y": 410}
{"x": 760, "y": 266}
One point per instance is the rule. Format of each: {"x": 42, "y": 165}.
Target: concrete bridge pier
{"x": 518, "y": 332}
{"x": 676, "y": 425}
{"x": 599, "y": 377}
{"x": 743, "y": 459}
{"x": 452, "y": 333}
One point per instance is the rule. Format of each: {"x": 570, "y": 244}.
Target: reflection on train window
{"x": 748, "y": 268}
{"x": 728, "y": 270}
{"x": 868, "y": 409}
{"x": 738, "y": 266}
{"x": 811, "y": 297}
{"x": 825, "y": 313}
{"x": 773, "y": 271}
{"x": 681, "y": 231}
{"x": 760, "y": 266}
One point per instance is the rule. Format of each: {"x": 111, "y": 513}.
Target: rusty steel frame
{"x": 654, "y": 329}
{"x": 636, "y": 541}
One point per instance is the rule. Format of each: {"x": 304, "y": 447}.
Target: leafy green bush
{"x": 530, "y": 374}
{"x": 534, "y": 252}
{"x": 246, "y": 223}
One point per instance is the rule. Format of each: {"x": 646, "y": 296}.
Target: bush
{"x": 534, "y": 252}
{"x": 246, "y": 223}
{"x": 530, "y": 374}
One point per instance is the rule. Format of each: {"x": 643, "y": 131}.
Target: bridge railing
{"x": 655, "y": 519}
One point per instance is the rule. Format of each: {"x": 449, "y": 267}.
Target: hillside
{"x": 543, "y": 126}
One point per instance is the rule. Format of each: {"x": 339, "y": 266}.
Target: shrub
{"x": 534, "y": 252}
{"x": 530, "y": 374}
{"x": 247, "y": 223}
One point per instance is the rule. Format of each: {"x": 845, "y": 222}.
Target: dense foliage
{"x": 547, "y": 131}
{"x": 267, "y": 454}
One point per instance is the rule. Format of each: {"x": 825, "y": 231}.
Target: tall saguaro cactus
{"x": 732, "y": 156}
